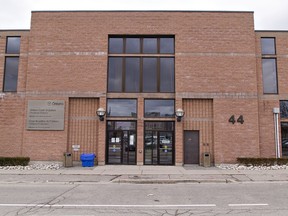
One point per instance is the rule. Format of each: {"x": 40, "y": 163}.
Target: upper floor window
{"x": 269, "y": 66}
{"x": 11, "y": 64}
{"x": 268, "y": 46}
{"x": 13, "y": 45}
{"x": 121, "y": 107}
{"x": 269, "y": 73}
{"x": 159, "y": 108}
{"x": 141, "y": 64}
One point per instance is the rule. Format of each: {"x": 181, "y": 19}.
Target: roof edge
{"x": 22, "y": 30}
{"x": 271, "y": 31}
{"x": 125, "y": 11}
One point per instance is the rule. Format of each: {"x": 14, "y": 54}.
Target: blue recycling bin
{"x": 87, "y": 160}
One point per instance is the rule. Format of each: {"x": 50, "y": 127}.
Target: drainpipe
{"x": 276, "y": 112}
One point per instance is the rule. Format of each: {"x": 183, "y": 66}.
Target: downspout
{"x": 276, "y": 112}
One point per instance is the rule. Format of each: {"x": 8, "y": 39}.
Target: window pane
{"x": 115, "y": 45}
{"x": 163, "y": 126}
{"x": 122, "y": 107}
{"x": 284, "y": 134}
{"x": 166, "y": 74}
{"x": 269, "y": 76}
{"x": 150, "y": 45}
{"x": 13, "y": 45}
{"x": 149, "y": 74}
{"x": 132, "y": 78}
{"x": 159, "y": 108}
{"x": 125, "y": 125}
{"x": 268, "y": 46}
{"x": 284, "y": 109}
{"x": 166, "y": 45}
{"x": 133, "y": 45}
{"x": 115, "y": 75}
{"x": 11, "y": 73}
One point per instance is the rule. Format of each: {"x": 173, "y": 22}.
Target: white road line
{"x": 104, "y": 206}
{"x": 248, "y": 204}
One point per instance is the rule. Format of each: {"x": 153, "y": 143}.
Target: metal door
{"x": 191, "y": 147}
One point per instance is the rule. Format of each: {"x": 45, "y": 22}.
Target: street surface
{"x": 109, "y": 199}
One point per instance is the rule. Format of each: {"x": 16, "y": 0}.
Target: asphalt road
{"x": 143, "y": 199}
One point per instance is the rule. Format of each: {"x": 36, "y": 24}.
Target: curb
{"x": 170, "y": 181}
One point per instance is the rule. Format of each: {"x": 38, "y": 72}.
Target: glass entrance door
{"x": 159, "y": 144}
{"x": 121, "y": 142}
{"x": 165, "y": 147}
{"x": 151, "y": 150}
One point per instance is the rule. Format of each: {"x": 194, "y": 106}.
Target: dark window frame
{"x": 132, "y": 117}
{"x": 275, "y": 50}
{"x": 160, "y": 117}
{"x": 6, "y": 48}
{"x": 11, "y": 55}
{"x": 269, "y": 56}
{"x": 6, "y": 73}
{"x": 276, "y": 71}
{"x": 141, "y": 56}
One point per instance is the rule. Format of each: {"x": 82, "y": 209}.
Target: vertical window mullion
{"x": 141, "y": 65}
{"x": 158, "y": 74}
{"x": 141, "y": 75}
{"x": 123, "y": 74}
{"x": 124, "y": 67}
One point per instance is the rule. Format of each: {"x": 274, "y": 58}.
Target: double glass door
{"x": 159, "y": 144}
{"x": 121, "y": 143}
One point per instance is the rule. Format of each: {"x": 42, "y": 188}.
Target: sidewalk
{"x": 142, "y": 175}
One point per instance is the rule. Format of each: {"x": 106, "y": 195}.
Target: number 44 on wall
{"x": 239, "y": 120}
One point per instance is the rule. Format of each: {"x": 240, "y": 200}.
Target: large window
{"x": 159, "y": 108}
{"x": 269, "y": 72}
{"x": 269, "y": 66}
{"x": 121, "y": 108}
{"x": 141, "y": 64}
{"x": 11, "y": 64}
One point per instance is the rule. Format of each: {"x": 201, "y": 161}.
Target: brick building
{"x": 141, "y": 67}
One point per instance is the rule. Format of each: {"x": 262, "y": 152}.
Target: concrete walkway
{"x": 142, "y": 175}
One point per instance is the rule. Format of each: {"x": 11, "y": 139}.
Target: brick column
{"x": 179, "y": 135}
{"x": 101, "y": 134}
{"x": 140, "y": 132}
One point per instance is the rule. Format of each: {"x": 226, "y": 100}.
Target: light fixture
{"x": 179, "y": 114}
{"x": 101, "y": 113}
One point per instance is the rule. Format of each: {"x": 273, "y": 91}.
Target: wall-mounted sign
{"x": 76, "y": 147}
{"x": 45, "y": 115}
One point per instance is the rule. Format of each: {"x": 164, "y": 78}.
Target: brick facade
{"x": 217, "y": 61}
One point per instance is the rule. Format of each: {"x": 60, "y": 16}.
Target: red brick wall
{"x": 12, "y": 107}
{"x": 268, "y": 102}
{"x": 235, "y": 140}
{"x": 65, "y": 55}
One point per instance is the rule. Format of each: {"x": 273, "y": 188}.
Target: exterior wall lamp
{"x": 101, "y": 113}
{"x": 179, "y": 114}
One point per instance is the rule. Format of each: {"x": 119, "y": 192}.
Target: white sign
{"x": 76, "y": 147}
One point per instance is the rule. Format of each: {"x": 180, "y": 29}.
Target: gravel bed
{"x": 242, "y": 167}
{"x": 56, "y": 166}
{"x": 34, "y": 166}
